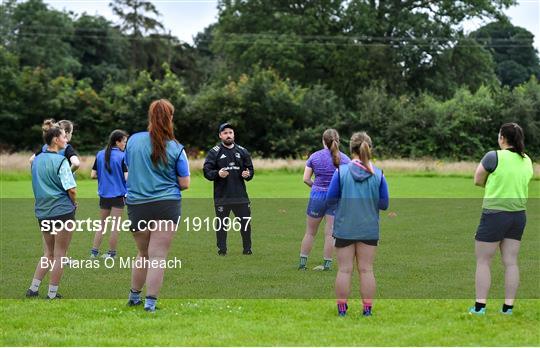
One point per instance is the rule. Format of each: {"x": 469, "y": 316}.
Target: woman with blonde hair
{"x": 55, "y": 194}
{"x": 361, "y": 191}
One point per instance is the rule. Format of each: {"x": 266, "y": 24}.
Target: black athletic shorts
{"x": 342, "y": 243}
{"x": 114, "y": 202}
{"x": 56, "y": 221}
{"x": 494, "y": 227}
{"x": 141, "y": 214}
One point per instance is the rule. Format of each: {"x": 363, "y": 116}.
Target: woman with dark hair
{"x": 322, "y": 164}
{"x": 361, "y": 191}
{"x": 111, "y": 173}
{"x": 158, "y": 172}
{"x": 505, "y": 174}
{"x": 55, "y": 194}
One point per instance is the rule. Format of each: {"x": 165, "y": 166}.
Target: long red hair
{"x": 160, "y": 127}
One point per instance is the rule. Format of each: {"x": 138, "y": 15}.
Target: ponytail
{"x": 331, "y": 140}
{"x": 360, "y": 146}
{"x": 116, "y": 135}
{"x": 160, "y": 127}
{"x": 514, "y": 136}
{"x": 365, "y": 155}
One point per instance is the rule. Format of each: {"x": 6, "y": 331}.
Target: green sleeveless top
{"x": 507, "y": 188}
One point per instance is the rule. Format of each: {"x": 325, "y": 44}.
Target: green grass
{"x": 424, "y": 270}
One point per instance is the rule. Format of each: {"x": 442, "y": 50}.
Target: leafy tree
{"x": 133, "y": 14}
{"x": 101, "y": 49}
{"x": 513, "y": 50}
{"x": 465, "y": 64}
{"x": 41, "y": 37}
{"x": 136, "y": 22}
{"x": 344, "y": 44}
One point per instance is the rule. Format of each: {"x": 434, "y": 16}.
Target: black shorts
{"x": 494, "y": 227}
{"x": 55, "y": 221}
{"x": 342, "y": 243}
{"x": 141, "y": 214}
{"x": 114, "y": 202}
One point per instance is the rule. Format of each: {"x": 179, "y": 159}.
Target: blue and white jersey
{"x": 111, "y": 184}
{"x": 51, "y": 178}
{"x": 149, "y": 183}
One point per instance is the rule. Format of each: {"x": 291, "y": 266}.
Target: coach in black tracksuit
{"x": 229, "y": 166}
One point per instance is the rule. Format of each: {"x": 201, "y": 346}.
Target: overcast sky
{"x": 185, "y": 18}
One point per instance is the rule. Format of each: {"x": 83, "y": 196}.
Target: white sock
{"x": 52, "y": 291}
{"x": 35, "y": 284}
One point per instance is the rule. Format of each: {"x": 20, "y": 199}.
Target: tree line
{"x": 281, "y": 71}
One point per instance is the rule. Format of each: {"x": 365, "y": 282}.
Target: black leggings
{"x": 241, "y": 212}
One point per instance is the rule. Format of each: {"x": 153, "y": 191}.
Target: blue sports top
{"x": 360, "y": 195}
{"x": 149, "y": 183}
{"x": 68, "y": 152}
{"x": 111, "y": 184}
{"x": 51, "y": 178}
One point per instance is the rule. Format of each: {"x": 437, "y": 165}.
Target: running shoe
{"x": 132, "y": 303}
{"x": 57, "y": 297}
{"x": 321, "y": 268}
{"x": 31, "y": 294}
{"x": 508, "y": 312}
{"x": 473, "y": 310}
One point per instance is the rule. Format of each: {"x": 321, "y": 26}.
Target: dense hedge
{"x": 275, "y": 117}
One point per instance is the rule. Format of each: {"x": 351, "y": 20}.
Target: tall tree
{"x": 512, "y": 49}
{"x": 136, "y": 22}
{"x": 133, "y": 14}
{"x": 344, "y": 44}
{"x": 100, "y": 48}
{"x": 41, "y": 36}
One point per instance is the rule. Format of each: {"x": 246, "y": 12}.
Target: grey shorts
{"x": 494, "y": 227}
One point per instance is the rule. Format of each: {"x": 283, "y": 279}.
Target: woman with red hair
{"x": 158, "y": 172}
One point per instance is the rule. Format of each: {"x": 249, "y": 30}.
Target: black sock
{"x": 506, "y": 308}
{"x": 478, "y": 306}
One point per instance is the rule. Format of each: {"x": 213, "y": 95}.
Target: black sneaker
{"x": 132, "y": 303}
{"x": 222, "y": 252}
{"x": 31, "y": 294}
{"x": 247, "y": 252}
{"x": 57, "y": 297}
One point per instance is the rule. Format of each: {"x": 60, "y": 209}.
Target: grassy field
{"x": 424, "y": 269}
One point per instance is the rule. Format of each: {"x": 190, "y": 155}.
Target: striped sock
{"x": 134, "y": 296}
{"x": 94, "y": 251}
{"x": 368, "y": 304}
{"x": 35, "y": 284}
{"x": 342, "y": 307}
{"x": 327, "y": 263}
{"x": 303, "y": 260}
{"x": 150, "y": 303}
